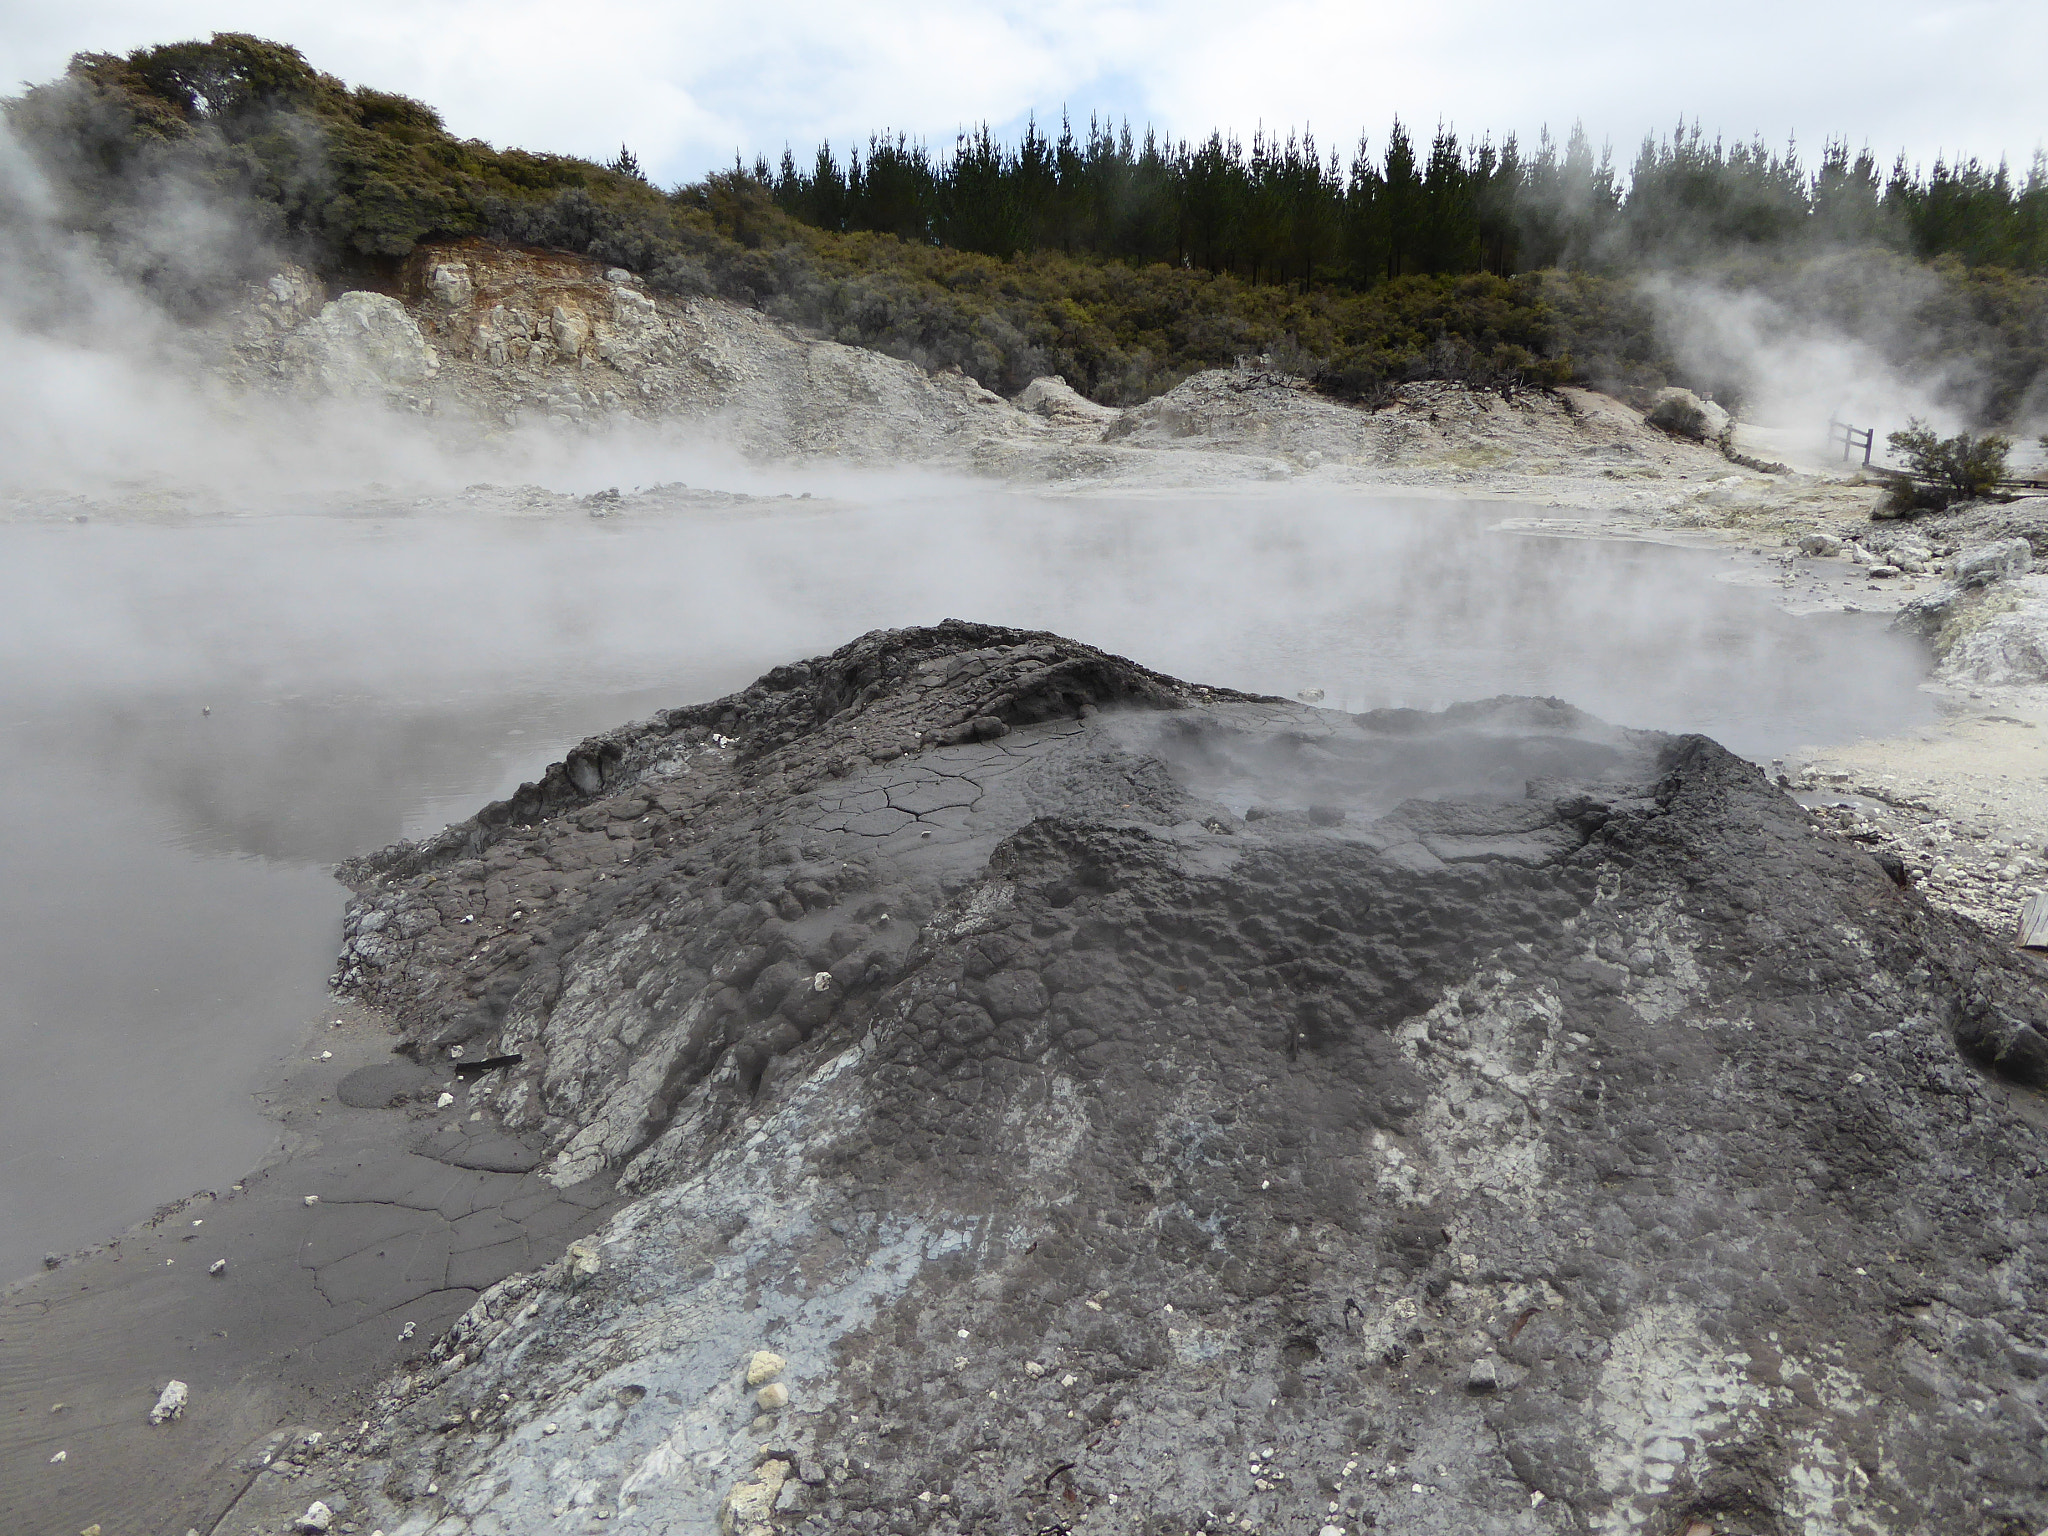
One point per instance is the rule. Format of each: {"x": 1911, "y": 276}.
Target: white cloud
{"x": 688, "y": 85}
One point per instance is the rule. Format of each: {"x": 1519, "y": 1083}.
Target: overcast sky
{"x": 686, "y": 84}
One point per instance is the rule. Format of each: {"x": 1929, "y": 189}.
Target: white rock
{"x": 569, "y": 329}
{"x": 772, "y": 1397}
{"x": 450, "y": 286}
{"x": 170, "y": 1403}
{"x": 746, "y": 1509}
{"x": 444, "y": 1101}
{"x": 217, "y": 1267}
{"x": 1055, "y": 400}
{"x": 1999, "y": 560}
{"x": 763, "y": 1367}
{"x": 318, "y": 1517}
{"x": 360, "y": 342}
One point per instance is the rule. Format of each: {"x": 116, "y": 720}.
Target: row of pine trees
{"x": 1282, "y": 211}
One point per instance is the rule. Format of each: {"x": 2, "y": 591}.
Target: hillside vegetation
{"x": 1124, "y": 264}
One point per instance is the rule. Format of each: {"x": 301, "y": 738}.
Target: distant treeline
{"x": 1279, "y": 210}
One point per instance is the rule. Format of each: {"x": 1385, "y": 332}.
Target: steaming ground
{"x": 407, "y": 500}
{"x": 218, "y": 710}
{"x": 383, "y": 550}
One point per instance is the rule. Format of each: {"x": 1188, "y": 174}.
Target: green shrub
{"x": 1966, "y": 467}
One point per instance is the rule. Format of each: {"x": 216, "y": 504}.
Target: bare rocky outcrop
{"x": 506, "y": 337}
{"x": 1111, "y": 1100}
{"x": 502, "y": 337}
{"x": 1447, "y": 427}
{"x": 360, "y": 343}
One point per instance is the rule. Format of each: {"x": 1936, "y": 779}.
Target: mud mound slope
{"x": 1117, "y": 1104}
{"x": 1423, "y": 425}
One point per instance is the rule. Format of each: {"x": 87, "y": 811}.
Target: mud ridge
{"x": 1107, "y": 1102}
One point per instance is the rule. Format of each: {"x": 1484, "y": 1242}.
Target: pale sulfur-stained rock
{"x": 449, "y": 285}
{"x": 361, "y": 342}
{"x": 746, "y": 1509}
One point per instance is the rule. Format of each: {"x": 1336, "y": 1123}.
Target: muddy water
{"x": 195, "y": 721}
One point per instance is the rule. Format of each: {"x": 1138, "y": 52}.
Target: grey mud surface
{"x": 1124, "y": 1106}
{"x": 316, "y": 1303}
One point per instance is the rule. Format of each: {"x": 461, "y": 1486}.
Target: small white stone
{"x": 327, "y": 1055}
{"x": 963, "y": 1333}
{"x": 217, "y": 1267}
{"x": 550, "y": 1428}
{"x": 772, "y": 1397}
{"x": 318, "y": 1517}
{"x": 1033, "y": 1369}
{"x": 1069, "y": 1379}
{"x": 170, "y": 1403}
{"x": 60, "y": 1456}
{"x": 763, "y": 1366}
{"x": 444, "y": 1101}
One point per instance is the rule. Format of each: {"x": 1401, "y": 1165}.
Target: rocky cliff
{"x": 1057, "y": 1098}
{"x": 498, "y": 337}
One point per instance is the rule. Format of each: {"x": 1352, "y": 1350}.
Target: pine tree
{"x": 627, "y": 164}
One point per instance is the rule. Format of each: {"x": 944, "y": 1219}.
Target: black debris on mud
{"x": 1121, "y": 1105}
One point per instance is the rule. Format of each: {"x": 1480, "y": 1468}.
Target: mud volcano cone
{"x": 1059, "y": 1098}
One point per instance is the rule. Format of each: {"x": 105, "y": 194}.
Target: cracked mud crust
{"x": 1124, "y": 1106}
{"x": 279, "y": 1301}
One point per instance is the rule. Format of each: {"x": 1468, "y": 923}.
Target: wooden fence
{"x": 1850, "y": 439}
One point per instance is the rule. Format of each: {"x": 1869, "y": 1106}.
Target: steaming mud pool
{"x": 220, "y": 712}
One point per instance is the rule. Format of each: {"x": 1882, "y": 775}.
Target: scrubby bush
{"x": 1947, "y": 470}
